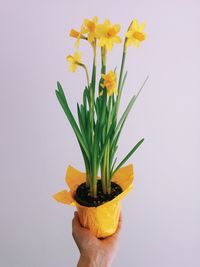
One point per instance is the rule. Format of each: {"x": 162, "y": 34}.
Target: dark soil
{"x": 83, "y": 197}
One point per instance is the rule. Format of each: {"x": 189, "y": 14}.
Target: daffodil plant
{"x": 98, "y": 127}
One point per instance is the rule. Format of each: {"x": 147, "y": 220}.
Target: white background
{"x": 161, "y": 216}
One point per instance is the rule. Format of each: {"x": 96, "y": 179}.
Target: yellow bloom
{"x": 74, "y": 33}
{"x": 135, "y": 34}
{"x": 89, "y": 27}
{"x": 107, "y": 34}
{"x": 78, "y": 35}
{"x": 110, "y": 82}
{"x": 74, "y": 61}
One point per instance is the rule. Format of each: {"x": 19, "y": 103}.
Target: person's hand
{"x": 94, "y": 252}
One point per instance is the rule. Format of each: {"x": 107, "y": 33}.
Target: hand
{"x": 94, "y": 252}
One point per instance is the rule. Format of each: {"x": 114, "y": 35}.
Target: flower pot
{"x": 102, "y": 220}
{"x": 84, "y": 198}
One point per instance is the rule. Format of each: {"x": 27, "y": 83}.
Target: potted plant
{"x": 98, "y": 127}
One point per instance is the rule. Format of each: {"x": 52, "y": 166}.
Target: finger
{"x": 76, "y": 215}
{"x": 120, "y": 222}
{"x": 76, "y": 226}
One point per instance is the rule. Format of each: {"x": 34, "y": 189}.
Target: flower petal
{"x": 107, "y": 23}
{"x": 95, "y": 19}
{"x": 73, "y": 67}
{"x": 109, "y": 44}
{"x": 142, "y": 26}
{"x": 134, "y": 24}
{"x": 129, "y": 34}
{"x": 117, "y": 39}
{"x": 136, "y": 43}
{"x": 70, "y": 59}
{"x": 117, "y": 27}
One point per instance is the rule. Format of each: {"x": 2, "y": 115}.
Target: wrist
{"x": 93, "y": 260}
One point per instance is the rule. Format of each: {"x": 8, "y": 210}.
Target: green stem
{"x": 108, "y": 168}
{"x": 94, "y": 183}
{"x": 103, "y": 164}
{"x": 92, "y": 175}
{"x": 108, "y": 146}
{"x": 87, "y": 75}
{"x": 91, "y": 104}
{"x": 103, "y": 60}
{"x": 103, "y": 180}
{"x": 120, "y": 77}
{"x": 87, "y": 174}
{"x": 93, "y": 162}
{"x": 93, "y": 81}
{"x": 103, "y": 57}
{"x": 92, "y": 114}
{"x": 104, "y": 159}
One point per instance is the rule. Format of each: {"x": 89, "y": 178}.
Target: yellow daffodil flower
{"x": 89, "y": 27}
{"x": 135, "y": 34}
{"x": 110, "y": 82}
{"x": 74, "y": 33}
{"x": 78, "y": 35}
{"x": 107, "y": 34}
{"x": 74, "y": 61}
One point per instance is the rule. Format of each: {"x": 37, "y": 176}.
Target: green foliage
{"x": 98, "y": 129}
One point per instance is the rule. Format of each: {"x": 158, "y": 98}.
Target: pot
{"x": 102, "y": 220}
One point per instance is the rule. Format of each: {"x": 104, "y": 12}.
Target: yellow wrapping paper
{"x": 102, "y": 220}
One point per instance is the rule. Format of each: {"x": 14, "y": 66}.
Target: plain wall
{"x": 161, "y": 216}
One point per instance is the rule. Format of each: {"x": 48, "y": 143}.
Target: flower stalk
{"x": 120, "y": 76}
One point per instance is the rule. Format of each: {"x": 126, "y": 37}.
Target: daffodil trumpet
{"x": 98, "y": 127}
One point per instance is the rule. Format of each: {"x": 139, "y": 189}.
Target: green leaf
{"x": 97, "y": 108}
{"x": 86, "y": 160}
{"x": 89, "y": 132}
{"x": 129, "y": 155}
{"x": 124, "y": 79}
{"x": 125, "y": 114}
{"x": 103, "y": 112}
{"x": 63, "y": 102}
{"x": 61, "y": 92}
{"x": 107, "y": 138}
{"x": 96, "y": 150}
{"x": 85, "y": 97}
{"x": 113, "y": 165}
{"x": 82, "y": 124}
{"x": 127, "y": 110}
{"x": 93, "y": 81}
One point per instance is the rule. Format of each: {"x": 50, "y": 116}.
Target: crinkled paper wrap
{"x": 102, "y": 220}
